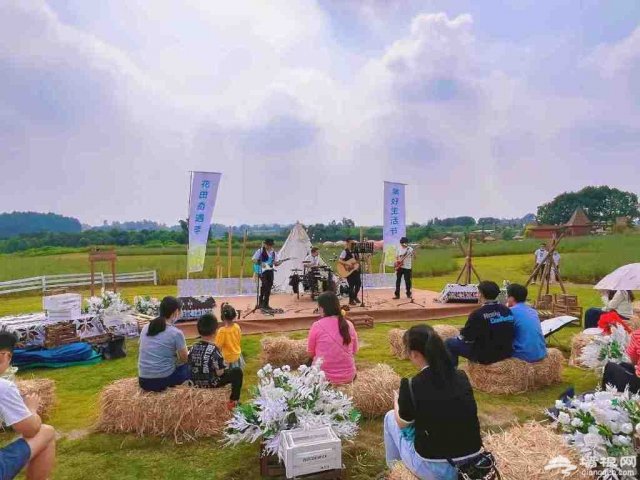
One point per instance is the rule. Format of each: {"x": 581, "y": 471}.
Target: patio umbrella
{"x": 624, "y": 278}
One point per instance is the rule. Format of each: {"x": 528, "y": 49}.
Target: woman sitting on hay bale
{"x": 435, "y": 414}
{"x": 208, "y": 366}
{"x": 619, "y": 301}
{"x": 625, "y": 375}
{"x": 162, "y": 361}
{"x": 334, "y": 339}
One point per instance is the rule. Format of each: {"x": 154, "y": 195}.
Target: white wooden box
{"x": 64, "y": 301}
{"x": 310, "y": 451}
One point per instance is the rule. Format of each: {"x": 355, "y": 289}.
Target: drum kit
{"x": 317, "y": 279}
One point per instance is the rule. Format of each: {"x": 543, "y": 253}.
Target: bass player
{"x": 354, "y": 280}
{"x": 404, "y": 261}
{"x": 265, "y": 259}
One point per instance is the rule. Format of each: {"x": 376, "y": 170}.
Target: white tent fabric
{"x": 297, "y": 246}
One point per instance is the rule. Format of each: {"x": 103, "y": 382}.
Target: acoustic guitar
{"x": 344, "y": 271}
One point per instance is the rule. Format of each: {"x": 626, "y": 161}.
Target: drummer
{"x": 313, "y": 259}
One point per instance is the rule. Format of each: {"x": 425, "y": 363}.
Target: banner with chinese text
{"x": 394, "y": 220}
{"x": 204, "y": 189}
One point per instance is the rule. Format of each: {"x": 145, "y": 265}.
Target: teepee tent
{"x": 297, "y": 247}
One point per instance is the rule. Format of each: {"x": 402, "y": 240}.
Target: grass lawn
{"x": 83, "y": 454}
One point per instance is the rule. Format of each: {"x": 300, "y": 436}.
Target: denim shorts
{"x": 13, "y": 458}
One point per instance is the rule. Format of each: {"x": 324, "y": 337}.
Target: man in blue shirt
{"x": 528, "y": 341}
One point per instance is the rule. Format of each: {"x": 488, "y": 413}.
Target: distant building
{"x": 577, "y": 226}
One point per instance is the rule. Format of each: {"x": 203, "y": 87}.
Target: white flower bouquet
{"x": 606, "y": 348}
{"x": 284, "y": 400}
{"x": 108, "y": 302}
{"x": 146, "y": 305}
{"x": 602, "y": 424}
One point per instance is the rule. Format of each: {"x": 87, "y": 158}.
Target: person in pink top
{"x": 334, "y": 339}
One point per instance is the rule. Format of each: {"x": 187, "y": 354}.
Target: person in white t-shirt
{"x": 36, "y": 448}
{"x": 313, "y": 259}
{"x": 556, "y": 265}
{"x": 539, "y": 256}
{"x": 404, "y": 263}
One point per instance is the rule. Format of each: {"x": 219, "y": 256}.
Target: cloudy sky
{"x": 483, "y": 108}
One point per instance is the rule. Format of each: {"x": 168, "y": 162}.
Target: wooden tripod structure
{"x": 467, "y": 268}
{"x": 548, "y": 269}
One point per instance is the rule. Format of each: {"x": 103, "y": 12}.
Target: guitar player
{"x": 404, "y": 260}
{"x": 266, "y": 258}
{"x": 354, "y": 280}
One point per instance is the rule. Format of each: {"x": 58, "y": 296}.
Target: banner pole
{"x": 229, "y": 252}
{"x": 242, "y": 257}
{"x": 189, "y": 210}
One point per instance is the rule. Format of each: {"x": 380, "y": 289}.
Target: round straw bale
{"x": 578, "y": 342}
{"x": 184, "y": 413}
{"x": 446, "y": 331}
{"x": 549, "y": 370}
{"x": 523, "y": 451}
{"x": 396, "y": 344}
{"x": 372, "y": 390}
{"x": 401, "y": 472}
{"x": 505, "y": 377}
{"x": 279, "y": 351}
{"x": 45, "y": 388}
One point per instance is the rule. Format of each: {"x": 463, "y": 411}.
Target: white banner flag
{"x": 204, "y": 189}
{"x": 394, "y": 220}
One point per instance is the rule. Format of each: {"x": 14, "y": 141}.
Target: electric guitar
{"x": 260, "y": 268}
{"x": 344, "y": 271}
{"x": 398, "y": 265}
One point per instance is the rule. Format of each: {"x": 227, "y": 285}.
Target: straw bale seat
{"x": 279, "y": 351}
{"x": 521, "y": 452}
{"x": 372, "y": 390}
{"x": 184, "y": 413}
{"x": 45, "y": 388}
{"x": 397, "y": 345}
{"x": 578, "y": 342}
{"x": 517, "y": 376}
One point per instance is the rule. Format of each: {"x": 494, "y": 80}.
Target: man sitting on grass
{"x": 528, "y": 343}
{"x": 36, "y": 448}
{"x": 487, "y": 337}
{"x": 208, "y": 368}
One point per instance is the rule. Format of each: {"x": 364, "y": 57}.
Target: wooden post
{"x": 113, "y": 274}
{"x": 218, "y": 264}
{"x": 229, "y": 252}
{"x": 93, "y": 272}
{"x": 361, "y": 233}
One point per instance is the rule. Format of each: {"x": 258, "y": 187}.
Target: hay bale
{"x": 279, "y": 351}
{"x": 372, "y": 390}
{"x": 524, "y": 450}
{"x": 45, "y": 388}
{"x": 184, "y": 413}
{"x": 548, "y": 371}
{"x": 396, "y": 344}
{"x": 517, "y": 376}
{"x": 505, "y": 377}
{"x": 401, "y": 472}
{"x": 446, "y": 331}
{"x": 578, "y": 342}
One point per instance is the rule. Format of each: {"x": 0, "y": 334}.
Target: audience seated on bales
{"x": 208, "y": 367}
{"x": 435, "y": 416}
{"x": 619, "y": 301}
{"x": 334, "y": 339}
{"x": 625, "y": 375}
{"x": 487, "y": 337}
{"x": 528, "y": 342}
{"x": 162, "y": 361}
{"x": 36, "y": 448}
{"x": 229, "y": 336}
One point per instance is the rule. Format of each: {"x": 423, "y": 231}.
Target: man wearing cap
{"x": 266, "y": 258}
{"x": 354, "y": 277}
{"x": 404, "y": 263}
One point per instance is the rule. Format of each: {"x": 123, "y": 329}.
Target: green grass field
{"x": 127, "y": 457}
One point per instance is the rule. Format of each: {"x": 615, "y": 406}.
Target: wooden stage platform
{"x": 299, "y": 314}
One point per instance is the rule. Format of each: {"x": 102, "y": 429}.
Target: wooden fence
{"x": 70, "y": 280}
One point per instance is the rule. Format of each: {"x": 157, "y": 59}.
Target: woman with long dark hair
{"x": 334, "y": 339}
{"x": 619, "y": 301}
{"x": 163, "y": 356}
{"x": 434, "y": 420}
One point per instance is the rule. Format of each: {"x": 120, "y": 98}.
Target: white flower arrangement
{"x": 146, "y": 305}
{"x": 602, "y": 424}
{"x": 107, "y": 303}
{"x": 606, "y": 348}
{"x": 284, "y": 400}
